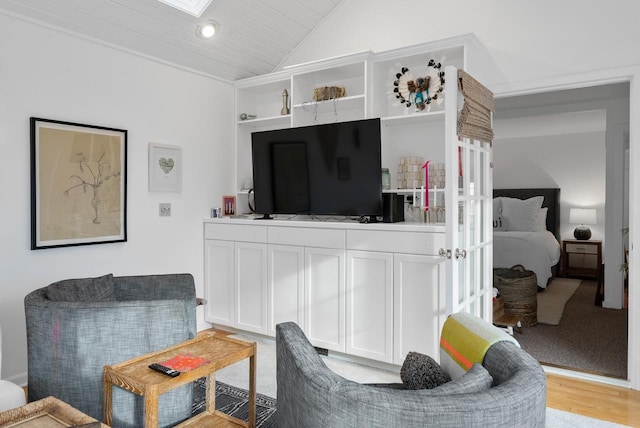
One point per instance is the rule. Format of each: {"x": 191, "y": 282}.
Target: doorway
{"x": 577, "y": 140}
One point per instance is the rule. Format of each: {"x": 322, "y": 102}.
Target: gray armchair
{"x": 310, "y": 395}
{"x": 76, "y": 327}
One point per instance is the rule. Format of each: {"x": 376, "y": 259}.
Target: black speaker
{"x": 392, "y": 207}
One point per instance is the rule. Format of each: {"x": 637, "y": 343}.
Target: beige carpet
{"x": 551, "y": 301}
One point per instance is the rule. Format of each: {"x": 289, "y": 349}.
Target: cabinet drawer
{"x": 395, "y": 242}
{"x": 307, "y": 237}
{"x": 235, "y": 232}
{"x": 582, "y": 248}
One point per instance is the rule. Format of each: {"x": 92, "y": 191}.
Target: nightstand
{"x": 584, "y": 259}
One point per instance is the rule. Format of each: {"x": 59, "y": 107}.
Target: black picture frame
{"x": 78, "y": 184}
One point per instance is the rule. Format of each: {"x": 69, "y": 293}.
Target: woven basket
{"x": 329, "y": 93}
{"x": 519, "y": 290}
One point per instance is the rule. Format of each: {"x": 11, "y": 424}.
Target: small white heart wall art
{"x": 165, "y": 168}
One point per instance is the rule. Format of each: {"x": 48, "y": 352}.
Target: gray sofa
{"x": 76, "y": 327}
{"x": 311, "y": 395}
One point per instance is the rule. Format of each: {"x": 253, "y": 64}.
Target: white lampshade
{"x": 582, "y": 215}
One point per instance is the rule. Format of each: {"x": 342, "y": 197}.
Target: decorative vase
{"x": 582, "y": 233}
{"x": 285, "y": 103}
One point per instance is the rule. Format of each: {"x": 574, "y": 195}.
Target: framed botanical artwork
{"x": 78, "y": 184}
{"x": 228, "y": 205}
{"x": 165, "y": 168}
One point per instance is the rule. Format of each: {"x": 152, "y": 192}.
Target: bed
{"x": 526, "y": 224}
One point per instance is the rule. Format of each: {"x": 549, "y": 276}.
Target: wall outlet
{"x": 165, "y": 210}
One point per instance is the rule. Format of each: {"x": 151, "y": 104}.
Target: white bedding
{"x": 536, "y": 251}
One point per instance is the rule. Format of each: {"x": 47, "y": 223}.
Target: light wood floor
{"x": 596, "y": 400}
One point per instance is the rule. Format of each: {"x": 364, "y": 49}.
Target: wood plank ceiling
{"x": 254, "y": 36}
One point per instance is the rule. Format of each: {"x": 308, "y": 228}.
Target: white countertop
{"x": 328, "y": 223}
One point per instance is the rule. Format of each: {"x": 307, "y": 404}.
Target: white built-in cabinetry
{"x": 375, "y": 291}
{"x": 368, "y": 79}
{"x": 372, "y": 291}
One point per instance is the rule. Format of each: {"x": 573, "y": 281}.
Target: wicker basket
{"x": 329, "y": 93}
{"x": 519, "y": 290}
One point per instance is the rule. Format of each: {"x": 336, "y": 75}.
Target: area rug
{"x": 235, "y": 402}
{"x": 573, "y": 345}
{"x": 551, "y": 301}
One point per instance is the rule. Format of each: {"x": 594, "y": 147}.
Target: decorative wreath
{"x": 421, "y": 91}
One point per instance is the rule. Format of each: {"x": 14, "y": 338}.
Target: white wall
{"x": 45, "y": 73}
{"x": 574, "y": 163}
{"x": 525, "y": 40}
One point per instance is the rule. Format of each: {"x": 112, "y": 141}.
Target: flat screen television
{"x": 330, "y": 169}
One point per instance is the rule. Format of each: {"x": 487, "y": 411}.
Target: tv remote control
{"x": 165, "y": 370}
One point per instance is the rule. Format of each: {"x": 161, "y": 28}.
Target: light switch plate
{"x": 165, "y": 210}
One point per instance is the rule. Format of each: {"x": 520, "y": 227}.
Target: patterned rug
{"x": 234, "y": 401}
{"x": 552, "y": 300}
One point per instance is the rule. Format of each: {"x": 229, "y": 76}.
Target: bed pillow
{"x": 542, "y": 219}
{"x": 499, "y": 223}
{"x": 497, "y": 208}
{"x": 522, "y": 215}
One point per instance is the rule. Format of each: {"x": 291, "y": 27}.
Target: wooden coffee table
{"x": 46, "y": 413}
{"x": 135, "y": 376}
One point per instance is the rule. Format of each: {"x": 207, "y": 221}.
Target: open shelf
{"x": 353, "y": 101}
{"x": 284, "y": 120}
{"x": 368, "y": 82}
{"x": 413, "y": 118}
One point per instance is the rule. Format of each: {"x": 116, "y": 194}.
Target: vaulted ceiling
{"x": 254, "y": 36}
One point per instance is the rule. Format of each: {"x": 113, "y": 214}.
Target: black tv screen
{"x": 331, "y": 169}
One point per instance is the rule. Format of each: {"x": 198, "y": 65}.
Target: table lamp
{"x": 582, "y": 216}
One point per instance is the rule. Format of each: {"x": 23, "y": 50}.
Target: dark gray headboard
{"x": 551, "y": 201}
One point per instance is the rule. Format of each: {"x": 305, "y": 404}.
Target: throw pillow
{"x": 420, "y": 371}
{"x": 99, "y": 289}
{"x": 497, "y": 208}
{"x": 522, "y": 215}
{"x": 500, "y": 224}
{"x": 542, "y": 219}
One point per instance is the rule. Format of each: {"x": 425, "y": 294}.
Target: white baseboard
{"x": 587, "y": 376}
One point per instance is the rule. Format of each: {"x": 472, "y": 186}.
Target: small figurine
{"x": 285, "y": 103}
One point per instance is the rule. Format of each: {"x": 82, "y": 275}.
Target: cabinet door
{"x": 324, "y": 298}
{"x": 419, "y": 302}
{"x": 370, "y": 305}
{"x": 251, "y": 287}
{"x": 219, "y": 279}
{"x": 285, "y": 287}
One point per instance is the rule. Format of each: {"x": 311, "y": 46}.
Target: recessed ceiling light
{"x": 207, "y": 29}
